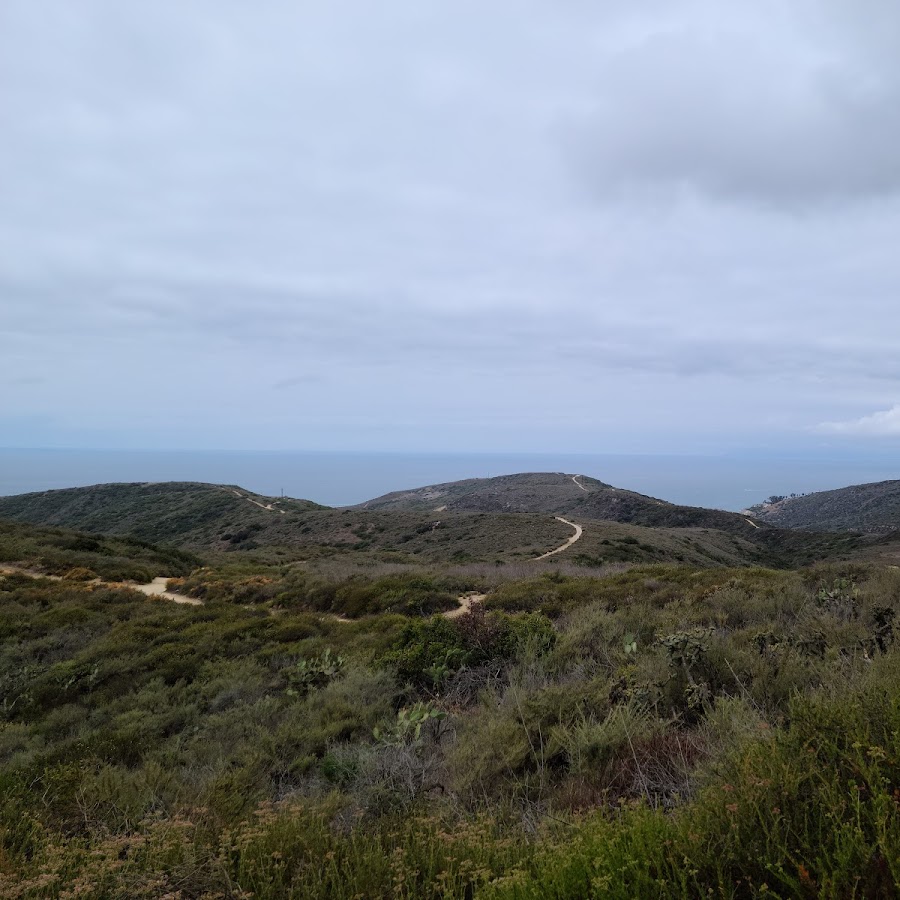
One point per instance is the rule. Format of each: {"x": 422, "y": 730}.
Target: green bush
{"x": 427, "y": 652}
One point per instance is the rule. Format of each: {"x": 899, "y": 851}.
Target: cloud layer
{"x": 784, "y": 104}
{"x": 515, "y": 226}
{"x": 878, "y": 424}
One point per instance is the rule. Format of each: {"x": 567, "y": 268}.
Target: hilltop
{"x": 547, "y": 492}
{"x": 558, "y": 493}
{"x": 173, "y": 512}
{"x": 872, "y": 508}
{"x": 578, "y": 496}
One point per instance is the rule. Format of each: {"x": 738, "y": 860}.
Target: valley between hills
{"x": 537, "y": 685}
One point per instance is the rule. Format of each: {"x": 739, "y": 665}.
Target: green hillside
{"x": 559, "y": 494}
{"x": 219, "y": 520}
{"x": 724, "y": 537}
{"x": 58, "y": 551}
{"x": 175, "y": 512}
{"x": 498, "y": 521}
{"x": 546, "y": 492}
{"x": 873, "y": 508}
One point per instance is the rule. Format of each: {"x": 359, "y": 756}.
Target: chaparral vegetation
{"x": 428, "y": 729}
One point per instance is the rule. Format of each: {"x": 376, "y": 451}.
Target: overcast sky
{"x": 642, "y": 225}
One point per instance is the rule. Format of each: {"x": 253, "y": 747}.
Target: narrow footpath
{"x": 156, "y": 588}
{"x": 575, "y": 537}
{"x": 271, "y": 507}
{"x": 466, "y": 602}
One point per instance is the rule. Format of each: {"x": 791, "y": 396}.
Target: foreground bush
{"x": 811, "y": 810}
{"x": 726, "y": 736}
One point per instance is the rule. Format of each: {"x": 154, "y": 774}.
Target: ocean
{"x": 342, "y": 478}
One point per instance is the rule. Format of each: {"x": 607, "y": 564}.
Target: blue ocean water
{"x": 336, "y": 479}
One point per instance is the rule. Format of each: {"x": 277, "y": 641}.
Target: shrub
{"x": 428, "y": 652}
{"x": 316, "y": 672}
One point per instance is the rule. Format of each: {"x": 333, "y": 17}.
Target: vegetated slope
{"x": 483, "y": 525}
{"x": 873, "y": 508}
{"x": 218, "y": 518}
{"x": 172, "y": 512}
{"x": 213, "y": 519}
{"x": 546, "y": 492}
{"x": 726, "y": 728}
{"x": 588, "y": 499}
{"x": 60, "y": 551}
{"x": 557, "y": 493}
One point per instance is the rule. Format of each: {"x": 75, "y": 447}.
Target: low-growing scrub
{"x": 660, "y": 731}
{"x": 54, "y": 551}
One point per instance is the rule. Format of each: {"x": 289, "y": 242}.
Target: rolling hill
{"x": 514, "y": 518}
{"x": 579, "y": 496}
{"x": 216, "y": 519}
{"x": 873, "y": 508}
{"x": 165, "y": 511}
{"x": 557, "y": 493}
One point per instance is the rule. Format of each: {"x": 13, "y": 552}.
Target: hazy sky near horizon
{"x": 646, "y": 225}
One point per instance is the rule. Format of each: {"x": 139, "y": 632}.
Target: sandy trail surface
{"x": 466, "y": 602}
{"x": 156, "y": 588}
{"x": 575, "y": 537}
{"x": 268, "y": 506}
{"x": 575, "y": 479}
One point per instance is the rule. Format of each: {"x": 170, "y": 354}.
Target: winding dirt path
{"x": 156, "y": 588}
{"x": 575, "y": 537}
{"x": 466, "y": 602}
{"x": 271, "y": 507}
{"x": 751, "y": 523}
{"x": 575, "y": 479}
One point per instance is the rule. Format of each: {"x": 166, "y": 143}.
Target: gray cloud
{"x": 878, "y": 424}
{"x": 297, "y": 381}
{"x": 788, "y": 105}
{"x": 523, "y": 222}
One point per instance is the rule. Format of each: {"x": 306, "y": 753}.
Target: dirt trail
{"x": 751, "y": 523}
{"x": 575, "y": 479}
{"x": 271, "y": 507}
{"x": 156, "y": 588}
{"x": 575, "y": 537}
{"x": 466, "y": 602}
